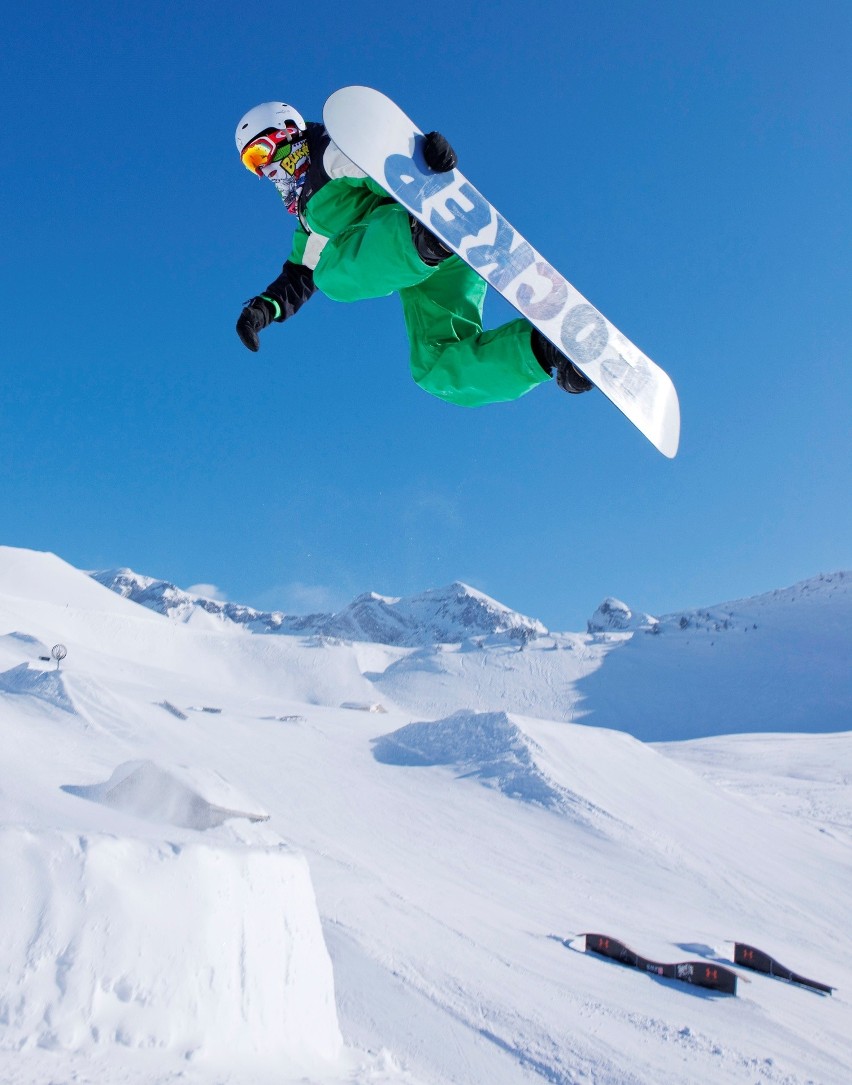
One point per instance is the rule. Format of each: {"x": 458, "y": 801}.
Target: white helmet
{"x": 269, "y": 115}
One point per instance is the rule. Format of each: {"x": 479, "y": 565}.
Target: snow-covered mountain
{"x": 213, "y": 872}
{"x": 457, "y": 613}
{"x": 437, "y": 616}
{"x": 775, "y": 662}
{"x": 613, "y": 616}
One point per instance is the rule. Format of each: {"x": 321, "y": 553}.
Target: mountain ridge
{"x": 450, "y": 614}
{"x": 458, "y": 612}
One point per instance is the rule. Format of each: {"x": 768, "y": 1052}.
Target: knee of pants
{"x": 371, "y": 259}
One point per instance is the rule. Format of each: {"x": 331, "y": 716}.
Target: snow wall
{"x": 207, "y": 950}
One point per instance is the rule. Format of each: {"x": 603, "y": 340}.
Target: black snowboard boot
{"x": 429, "y": 248}
{"x": 552, "y": 360}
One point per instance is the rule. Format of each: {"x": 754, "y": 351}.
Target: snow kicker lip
{"x": 758, "y": 961}
{"x": 699, "y": 973}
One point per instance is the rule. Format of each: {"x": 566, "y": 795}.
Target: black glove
{"x": 439, "y": 155}
{"x": 253, "y": 319}
{"x": 570, "y": 379}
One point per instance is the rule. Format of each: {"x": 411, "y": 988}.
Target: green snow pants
{"x": 451, "y": 356}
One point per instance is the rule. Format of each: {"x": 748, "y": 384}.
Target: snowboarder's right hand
{"x": 438, "y": 153}
{"x": 253, "y": 319}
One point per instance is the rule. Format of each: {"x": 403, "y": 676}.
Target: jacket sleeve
{"x": 291, "y": 289}
{"x": 295, "y": 284}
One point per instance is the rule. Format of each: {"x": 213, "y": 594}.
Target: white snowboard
{"x": 376, "y": 135}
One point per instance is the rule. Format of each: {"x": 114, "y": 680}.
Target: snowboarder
{"x": 354, "y": 241}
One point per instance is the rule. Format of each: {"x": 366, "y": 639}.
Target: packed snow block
{"x": 45, "y": 685}
{"x": 189, "y": 798}
{"x": 203, "y": 950}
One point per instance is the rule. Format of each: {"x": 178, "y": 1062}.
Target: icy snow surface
{"x": 407, "y": 914}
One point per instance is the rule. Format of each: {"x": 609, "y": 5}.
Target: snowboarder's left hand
{"x": 438, "y": 153}
{"x": 253, "y": 319}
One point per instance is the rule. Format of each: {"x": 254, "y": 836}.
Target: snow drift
{"x": 179, "y": 796}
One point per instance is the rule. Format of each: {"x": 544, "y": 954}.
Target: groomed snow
{"x": 408, "y": 913}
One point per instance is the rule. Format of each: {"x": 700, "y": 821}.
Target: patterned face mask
{"x": 287, "y": 169}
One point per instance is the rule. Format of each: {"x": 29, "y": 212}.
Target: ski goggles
{"x": 268, "y": 148}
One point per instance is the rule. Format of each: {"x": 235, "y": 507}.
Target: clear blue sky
{"x": 686, "y": 165}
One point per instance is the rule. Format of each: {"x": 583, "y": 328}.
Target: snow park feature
{"x": 399, "y": 918}
{"x": 759, "y": 961}
{"x": 211, "y": 952}
{"x": 708, "y": 974}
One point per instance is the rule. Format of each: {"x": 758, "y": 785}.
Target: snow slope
{"x": 777, "y": 662}
{"x": 407, "y": 912}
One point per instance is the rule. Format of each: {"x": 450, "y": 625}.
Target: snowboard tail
{"x": 375, "y": 134}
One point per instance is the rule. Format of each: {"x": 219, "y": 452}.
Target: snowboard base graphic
{"x": 376, "y": 135}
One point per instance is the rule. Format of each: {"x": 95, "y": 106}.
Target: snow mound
{"x": 45, "y": 685}
{"x": 613, "y": 616}
{"x": 202, "y": 950}
{"x": 184, "y": 797}
{"x": 17, "y": 638}
{"x": 486, "y": 745}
